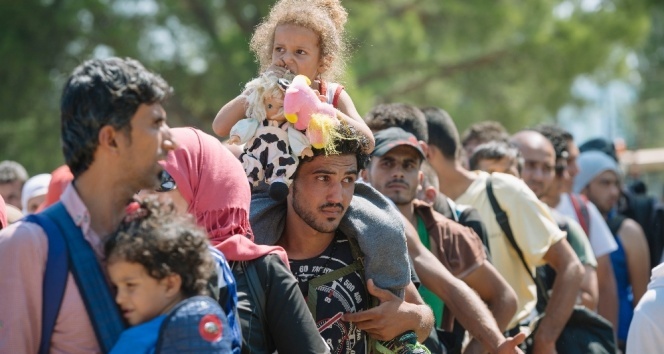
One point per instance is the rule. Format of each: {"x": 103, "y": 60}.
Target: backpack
{"x": 649, "y": 213}
{"x": 64, "y": 240}
{"x": 223, "y": 289}
{"x": 465, "y": 215}
{"x": 196, "y": 325}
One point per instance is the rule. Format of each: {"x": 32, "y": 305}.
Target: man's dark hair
{"x": 558, "y": 137}
{"x": 402, "y": 115}
{"x": 483, "y": 132}
{"x": 348, "y": 141}
{"x": 443, "y": 133}
{"x": 495, "y": 150}
{"x": 600, "y": 144}
{"x": 11, "y": 171}
{"x": 164, "y": 242}
{"x": 103, "y": 92}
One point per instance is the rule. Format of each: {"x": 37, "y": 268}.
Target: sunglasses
{"x": 166, "y": 182}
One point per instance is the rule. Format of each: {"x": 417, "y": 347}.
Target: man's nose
{"x": 168, "y": 142}
{"x": 335, "y": 193}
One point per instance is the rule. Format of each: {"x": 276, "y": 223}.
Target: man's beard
{"x": 310, "y": 218}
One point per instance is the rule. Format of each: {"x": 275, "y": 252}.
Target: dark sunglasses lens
{"x": 167, "y": 183}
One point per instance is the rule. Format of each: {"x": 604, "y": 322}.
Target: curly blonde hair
{"x": 257, "y": 91}
{"x": 325, "y": 17}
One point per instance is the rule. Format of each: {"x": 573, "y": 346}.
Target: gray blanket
{"x": 370, "y": 219}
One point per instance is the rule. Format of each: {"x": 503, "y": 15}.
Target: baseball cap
{"x": 390, "y": 138}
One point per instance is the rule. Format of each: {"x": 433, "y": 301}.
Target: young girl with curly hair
{"x": 160, "y": 264}
{"x": 301, "y": 37}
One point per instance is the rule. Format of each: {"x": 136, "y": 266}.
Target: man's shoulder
{"x": 22, "y": 235}
{"x": 630, "y": 228}
{"x": 503, "y": 181}
{"x": 23, "y": 243}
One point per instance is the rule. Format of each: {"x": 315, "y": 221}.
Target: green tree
{"x": 650, "y": 108}
{"x": 511, "y": 61}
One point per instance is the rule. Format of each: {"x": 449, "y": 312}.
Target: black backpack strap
{"x": 256, "y": 289}
{"x": 503, "y": 221}
{"x": 90, "y": 279}
{"x": 615, "y": 222}
{"x": 55, "y": 278}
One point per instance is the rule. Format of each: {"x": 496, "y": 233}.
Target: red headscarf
{"x": 3, "y": 214}
{"x": 60, "y": 179}
{"x": 211, "y": 179}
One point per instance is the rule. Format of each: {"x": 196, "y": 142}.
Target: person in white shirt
{"x": 646, "y": 333}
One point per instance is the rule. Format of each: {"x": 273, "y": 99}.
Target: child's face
{"x": 297, "y": 49}
{"x": 140, "y": 296}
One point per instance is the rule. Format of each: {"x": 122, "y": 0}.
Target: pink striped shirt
{"x": 23, "y": 250}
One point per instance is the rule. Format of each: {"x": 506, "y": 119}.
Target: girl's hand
{"x": 278, "y": 70}
{"x": 321, "y": 97}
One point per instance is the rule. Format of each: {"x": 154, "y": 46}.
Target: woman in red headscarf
{"x": 208, "y": 181}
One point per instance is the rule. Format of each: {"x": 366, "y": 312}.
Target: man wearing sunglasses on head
{"x": 114, "y": 134}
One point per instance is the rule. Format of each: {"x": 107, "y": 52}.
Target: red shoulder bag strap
{"x": 581, "y": 210}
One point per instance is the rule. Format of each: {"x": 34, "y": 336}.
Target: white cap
{"x": 34, "y": 187}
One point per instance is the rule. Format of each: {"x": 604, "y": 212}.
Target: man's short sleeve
{"x": 578, "y": 239}
{"x": 601, "y": 238}
{"x": 533, "y": 226}
{"x": 458, "y": 247}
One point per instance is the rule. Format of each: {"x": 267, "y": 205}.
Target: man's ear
{"x": 108, "y": 137}
{"x": 364, "y": 175}
{"x": 430, "y": 194}
{"x": 425, "y": 148}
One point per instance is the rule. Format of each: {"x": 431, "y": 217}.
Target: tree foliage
{"x": 511, "y": 61}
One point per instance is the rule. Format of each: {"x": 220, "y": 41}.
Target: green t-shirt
{"x": 577, "y": 238}
{"x": 437, "y": 305}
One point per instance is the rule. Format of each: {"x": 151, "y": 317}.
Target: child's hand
{"x": 234, "y": 139}
{"x": 278, "y": 70}
{"x": 322, "y": 98}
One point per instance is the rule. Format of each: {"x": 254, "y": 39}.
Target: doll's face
{"x": 274, "y": 109}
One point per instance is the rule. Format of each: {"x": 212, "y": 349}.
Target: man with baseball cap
{"x": 394, "y": 170}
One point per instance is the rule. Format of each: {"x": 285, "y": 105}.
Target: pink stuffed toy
{"x": 304, "y": 109}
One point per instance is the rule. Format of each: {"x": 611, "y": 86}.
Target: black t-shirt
{"x": 283, "y": 315}
{"x": 346, "y": 294}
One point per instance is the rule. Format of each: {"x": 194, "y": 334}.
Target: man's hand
{"x": 385, "y": 321}
{"x": 510, "y": 345}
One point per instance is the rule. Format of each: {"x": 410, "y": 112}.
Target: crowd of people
{"x": 398, "y": 235}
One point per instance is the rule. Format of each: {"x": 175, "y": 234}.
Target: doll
{"x": 272, "y": 145}
{"x": 305, "y": 110}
